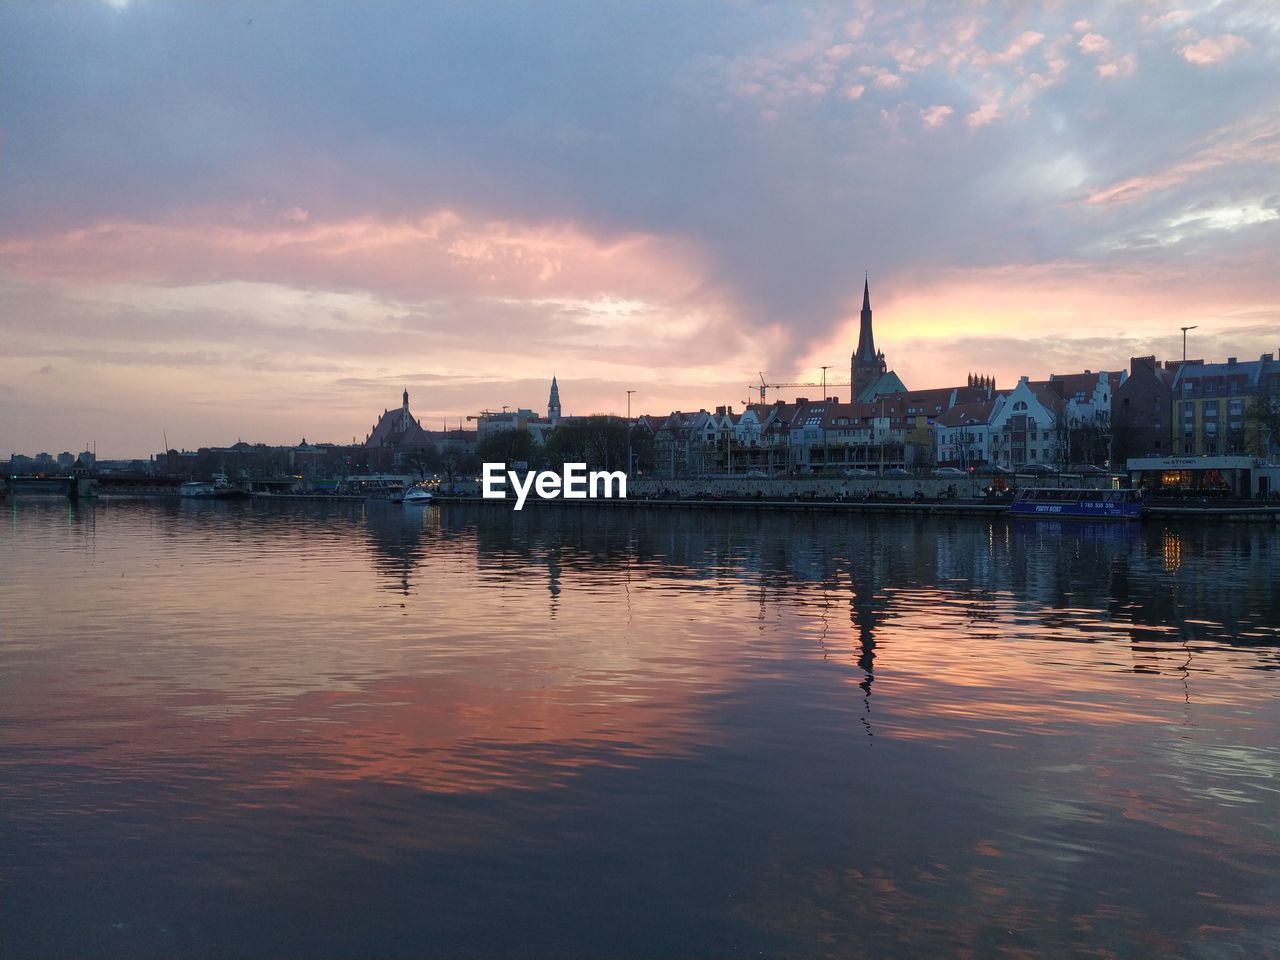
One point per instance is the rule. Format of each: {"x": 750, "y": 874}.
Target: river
{"x": 348, "y": 730}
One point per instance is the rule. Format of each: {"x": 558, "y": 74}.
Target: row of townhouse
{"x": 1054, "y": 422}
{"x": 1035, "y": 422}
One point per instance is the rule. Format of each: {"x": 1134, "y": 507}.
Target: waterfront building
{"x": 1213, "y": 415}
{"x": 963, "y": 434}
{"x": 1206, "y": 477}
{"x": 397, "y": 429}
{"x": 684, "y": 443}
{"x": 921, "y": 409}
{"x": 489, "y": 423}
{"x": 1025, "y": 427}
{"x": 1142, "y": 410}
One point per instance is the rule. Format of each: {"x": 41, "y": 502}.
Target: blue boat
{"x": 1065, "y": 503}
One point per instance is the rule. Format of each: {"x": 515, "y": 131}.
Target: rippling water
{"x": 335, "y": 730}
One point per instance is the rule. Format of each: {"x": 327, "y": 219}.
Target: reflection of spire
{"x": 863, "y": 613}
{"x": 553, "y": 576}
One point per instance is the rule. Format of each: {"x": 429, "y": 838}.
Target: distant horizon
{"x": 447, "y": 423}
{"x": 210, "y": 230}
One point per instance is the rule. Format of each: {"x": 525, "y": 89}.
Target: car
{"x": 1036, "y": 468}
{"x": 1086, "y": 469}
{"x": 756, "y": 474}
{"x": 948, "y": 472}
{"x": 993, "y": 470}
{"x": 858, "y": 472}
{"x": 897, "y": 472}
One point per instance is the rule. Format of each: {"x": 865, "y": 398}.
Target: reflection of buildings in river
{"x": 395, "y": 536}
{"x": 1056, "y": 571}
{"x": 1198, "y": 584}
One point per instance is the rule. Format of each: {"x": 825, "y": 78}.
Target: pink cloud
{"x": 987, "y": 112}
{"x": 1224, "y": 147}
{"x": 1095, "y": 45}
{"x": 1122, "y": 67}
{"x": 1014, "y": 52}
{"x": 441, "y": 253}
{"x": 936, "y": 115}
{"x": 1212, "y": 50}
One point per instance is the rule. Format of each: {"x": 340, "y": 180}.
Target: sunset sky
{"x": 262, "y": 221}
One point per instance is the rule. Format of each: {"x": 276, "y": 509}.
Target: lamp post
{"x": 1184, "y": 341}
{"x": 825, "y": 452}
{"x": 629, "y": 426}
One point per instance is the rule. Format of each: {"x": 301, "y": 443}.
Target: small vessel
{"x": 1066, "y": 503}
{"x": 419, "y": 495}
{"x": 202, "y": 489}
{"x": 224, "y": 489}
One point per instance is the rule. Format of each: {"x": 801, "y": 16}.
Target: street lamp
{"x": 629, "y": 426}
{"x": 1184, "y": 341}
{"x": 825, "y": 453}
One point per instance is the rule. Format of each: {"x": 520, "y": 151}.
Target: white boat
{"x": 420, "y": 495}
{"x": 197, "y": 488}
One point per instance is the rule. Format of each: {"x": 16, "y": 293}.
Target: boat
{"x": 419, "y": 495}
{"x": 1067, "y": 503}
{"x": 219, "y": 488}
{"x": 224, "y": 489}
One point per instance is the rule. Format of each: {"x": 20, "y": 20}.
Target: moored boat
{"x": 419, "y": 495}
{"x": 1066, "y": 503}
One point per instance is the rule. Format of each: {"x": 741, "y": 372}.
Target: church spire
{"x": 553, "y": 402}
{"x": 866, "y": 366}
{"x": 866, "y": 340}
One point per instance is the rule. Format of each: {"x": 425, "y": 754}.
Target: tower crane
{"x": 763, "y": 387}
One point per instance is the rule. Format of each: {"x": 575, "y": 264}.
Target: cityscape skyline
{"x": 209, "y": 233}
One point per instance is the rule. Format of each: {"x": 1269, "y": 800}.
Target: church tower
{"x": 866, "y": 365}
{"x": 404, "y": 411}
{"x": 553, "y": 402}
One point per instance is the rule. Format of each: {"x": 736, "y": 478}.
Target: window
{"x": 1211, "y": 410}
{"x": 1235, "y": 407}
{"x": 1188, "y": 411}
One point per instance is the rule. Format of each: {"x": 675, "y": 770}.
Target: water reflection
{"x": 269, "y": 729}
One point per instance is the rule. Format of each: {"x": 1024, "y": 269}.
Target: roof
{"x": 887, "y": 382}
{"x": 966, "y": 413}
{"x": 1049, "y": 398}
{"x": 1249, "y": 370}
{"x": 392, "y": 431}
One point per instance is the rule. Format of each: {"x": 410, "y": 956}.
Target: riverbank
{"x": 1240, "y": 513}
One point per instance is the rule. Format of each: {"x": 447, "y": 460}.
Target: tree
{"x": 422, "y": 460}
{"x": 508, "y": 446}
{"x": 1262, "y": 418}
{"x": 599, "y": 442}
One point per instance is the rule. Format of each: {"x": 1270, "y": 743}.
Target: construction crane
{"x": 765, "y": 387}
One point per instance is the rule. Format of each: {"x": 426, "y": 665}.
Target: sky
{"x": 264, "y": 220}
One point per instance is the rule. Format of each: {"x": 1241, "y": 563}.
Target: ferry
{"x": 1066, "y": 503}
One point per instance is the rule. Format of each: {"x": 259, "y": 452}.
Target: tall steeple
{"x": 553, "y": 402}
{"x": 866, "y": 365}
{"x": 866, "y": 340}
{"x": 404, "y": 411}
